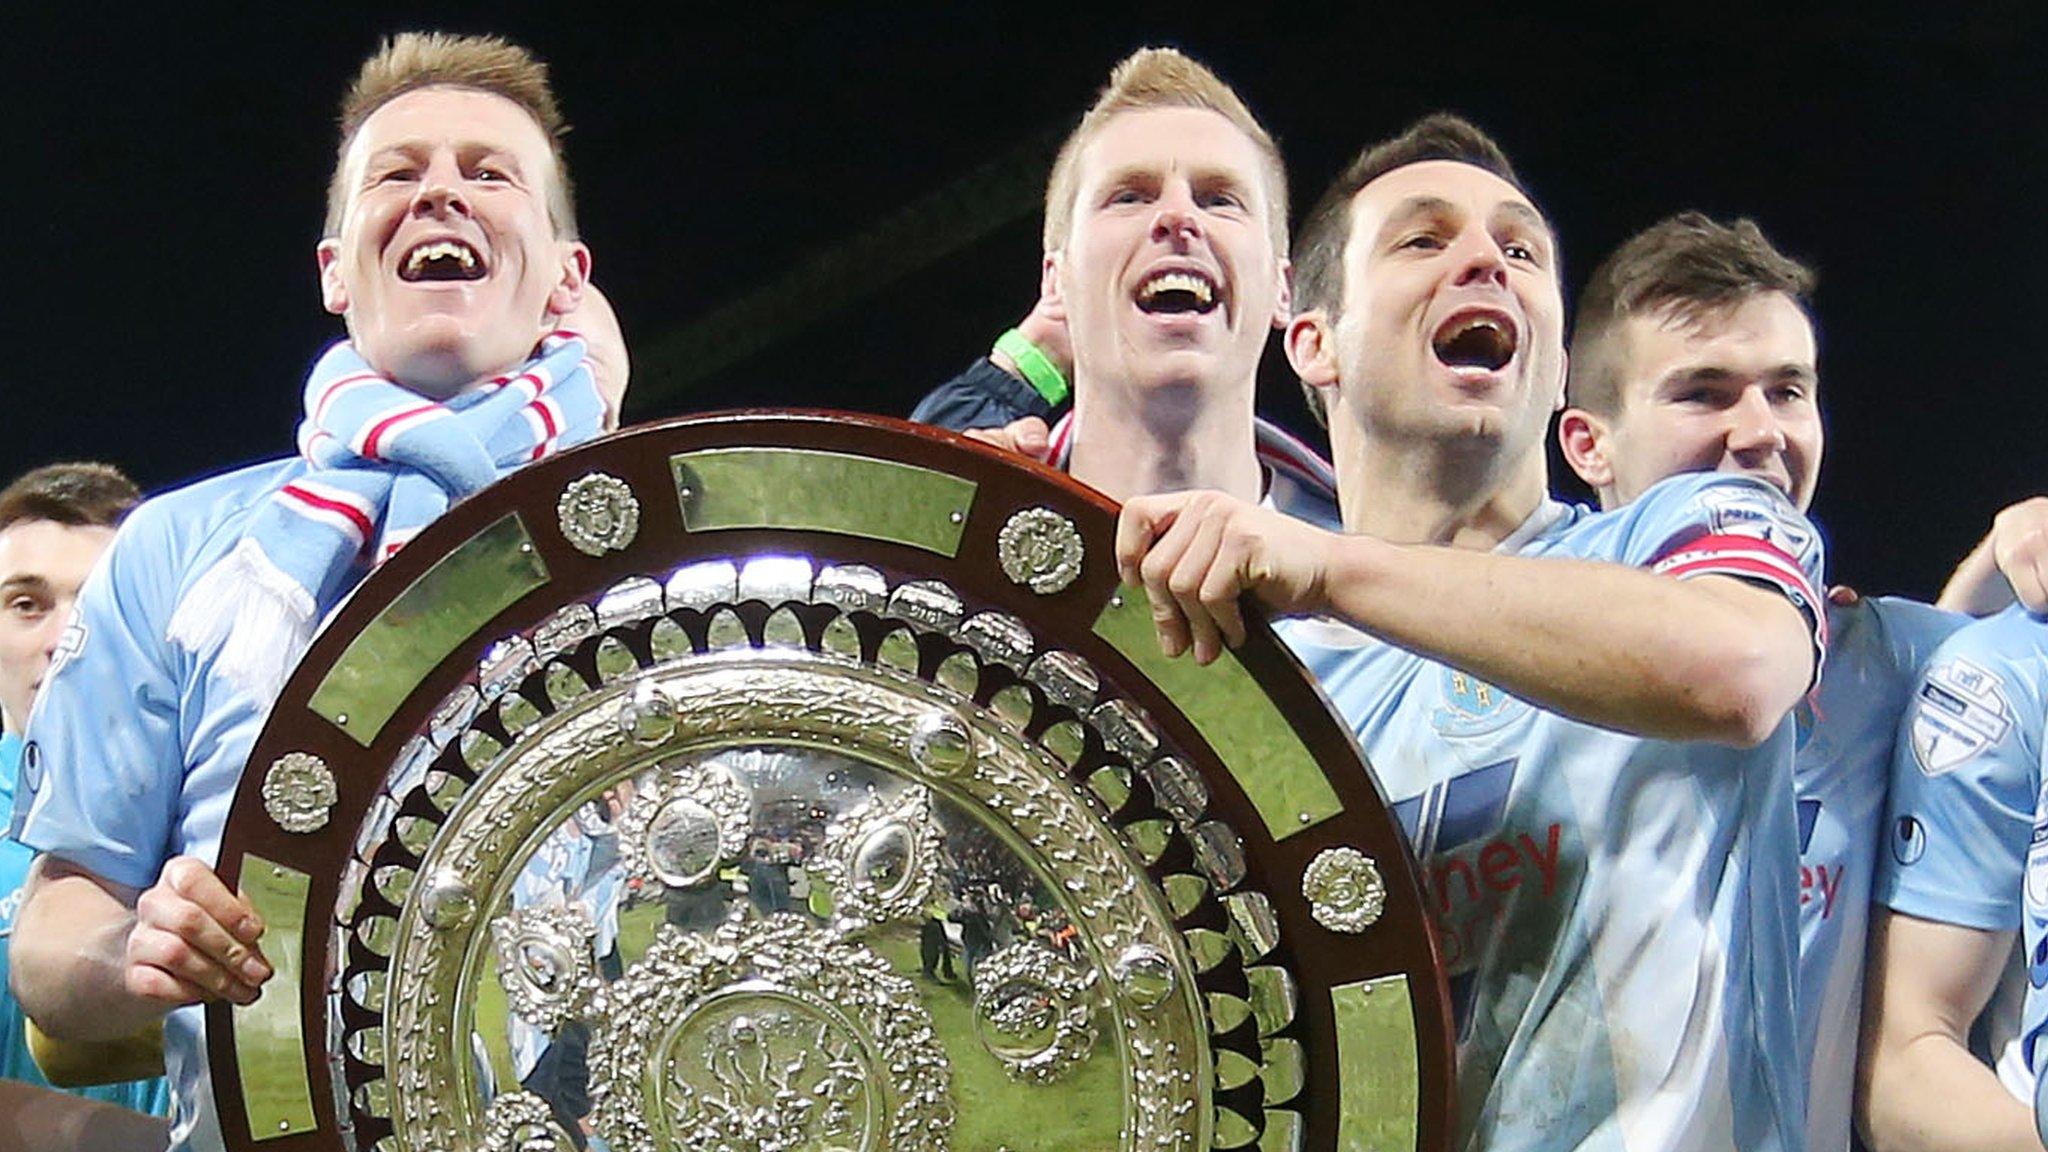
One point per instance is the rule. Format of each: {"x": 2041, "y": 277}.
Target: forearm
{"x": 1706, "y": 659}
{"x": 68, "y": 956}
{"x": 1929, "y": 1094}
{"x": 42, "y": 1120}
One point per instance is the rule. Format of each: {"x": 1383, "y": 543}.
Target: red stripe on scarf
{"x": 548, "y": 422}
{"x": 371, "y": 445}
{"x": 349, "y": 512}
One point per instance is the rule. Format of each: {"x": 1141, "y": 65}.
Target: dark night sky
{"x": 167, "y": 172}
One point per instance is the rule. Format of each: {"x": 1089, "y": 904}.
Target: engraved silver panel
{"x": 630, "y": 601}
{"x": 775, "y": 580}
{"x": 703, "y": 585}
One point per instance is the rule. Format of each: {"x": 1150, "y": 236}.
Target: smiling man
{"x": 1695, "y": 352}
{"x": 1552, "y": 698}
{"x": 451, "y": 255}
{"x": 1165, "y": 271}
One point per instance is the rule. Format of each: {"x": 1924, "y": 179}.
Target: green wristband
{"x": 1039, "y": 371}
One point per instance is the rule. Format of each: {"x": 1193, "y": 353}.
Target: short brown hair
{"x": 1160, "y": 78}
{"x": 492, "y": 64}
{"x": 1320, "y": 241}
{"x": 1690, "y": 267}
{"x": 76, "y": 495}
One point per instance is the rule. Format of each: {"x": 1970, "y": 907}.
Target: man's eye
{"x": 392, "y": 175}
{"x": 25, "y": 606}
{"x": 1790, "y": 393}
{"x": 1517, "y": 250}
{"x": 1222, "y": 200}
{"x": 1427, "y": 241}
{"x": 1127, "y": 196}
{"x": 490, "y": 175}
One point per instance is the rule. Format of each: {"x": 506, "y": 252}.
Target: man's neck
{"x": 1128, "y": 443}
{"x": 1461, "y": 494}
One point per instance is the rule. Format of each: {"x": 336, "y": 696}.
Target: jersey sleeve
{"x": 102, "y": 771}
{"x": 1964, "y": 780}
{"x": 984, "y": 396}
{"x": 1710, "y": 524}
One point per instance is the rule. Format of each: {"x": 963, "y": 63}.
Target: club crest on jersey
{"x": 1959, "y": 711}
{"x": 1759, "y": 513}
{"x": 1471, "y": 706}
{"x": 69, "y": 645}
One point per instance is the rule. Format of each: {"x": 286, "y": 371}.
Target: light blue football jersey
{"x": 1968, "y": 830}
{"x": 1875, "y": 647}
{"x": 135, "y": 745}
{"x": 1618, "y": 915}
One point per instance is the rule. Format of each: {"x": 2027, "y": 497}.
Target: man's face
{"x": 1169, "y": 275}
{"x": 447, "y": 267}
{"x": 1451, "y": 325}
{"x": 42, "y": 563}
{"x": 1735, "y": 391}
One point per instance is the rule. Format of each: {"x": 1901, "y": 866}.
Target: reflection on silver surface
{"x": 800, "y": 896}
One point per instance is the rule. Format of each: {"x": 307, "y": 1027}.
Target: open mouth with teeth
{"x": 1177, "y": 292}
{"x": 441, "y": 260}
{"x": 1486, "y": 342}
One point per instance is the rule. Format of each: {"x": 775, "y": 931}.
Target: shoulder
{"x": 174, "y": 530}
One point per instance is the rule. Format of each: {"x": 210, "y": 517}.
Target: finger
{"x": 1842, "y": 596}
{"x": 1030, "y": 437}
{"x": 173, "y": 958}
{"x": 997, "y": 437}
{"x": 1223, "y": 591}
{"x": 160, "y": 986}
{"x": 191, "y": 903}
{"x": 1188, "y": 580}
{"x": 1155, "y": 573}
{"x": 1138, "y": 526}
{"x": 2032, "y": 589}
{"x": 192, "y": 880}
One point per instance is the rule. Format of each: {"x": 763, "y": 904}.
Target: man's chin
{"x": 440, "y": 364}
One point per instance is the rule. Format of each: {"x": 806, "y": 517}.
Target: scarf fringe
{"x": 256, "y": 618}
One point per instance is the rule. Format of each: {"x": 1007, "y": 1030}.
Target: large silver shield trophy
{"x": 802, "y": 782}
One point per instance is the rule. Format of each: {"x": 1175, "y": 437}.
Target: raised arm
{"x": 1709, "y": 658}
{"x": 1919, "y": 1089}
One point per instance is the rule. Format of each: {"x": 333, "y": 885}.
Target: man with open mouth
{"x": 1580, "y": 717}
{"x": 1165, "y": 270}
{"x": 451, "y": 254}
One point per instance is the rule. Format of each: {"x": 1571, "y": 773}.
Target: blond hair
{"x": 1153, "y": 78}
{"x": 413, "y": 60}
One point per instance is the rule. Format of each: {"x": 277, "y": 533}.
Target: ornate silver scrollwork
{"x": 545, "y": 962}
{"x": 775, "y": 1035}
{"x": 882, "y": 864}
{"x": 298, "y": 792}
{"x": 1035, "y": 1012}
{"x": 598, "y": 513}
{"x": 690, "y": 821}
{"x": 1040, "y": 549}
{"x": 1344, "y": 890}
{"x": 522, "y": 1122}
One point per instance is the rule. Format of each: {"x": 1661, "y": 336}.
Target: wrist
{"x": 1016, "y": 354}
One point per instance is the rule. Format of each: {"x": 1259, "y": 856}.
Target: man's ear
{"x": 1564, "y": 374}
{"x": 1283, "y": 304}
{"x": 567, "y": 293}
{"x": 1312, "y": 348}
{"x": 333, "y": 293}
{"x": 1583, "y": 438}
{"x": 1049, "y": 293}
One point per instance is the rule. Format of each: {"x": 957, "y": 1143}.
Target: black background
{"x": 784, "y": 203}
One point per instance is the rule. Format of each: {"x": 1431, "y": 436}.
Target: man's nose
{"x": 1480, "y": 260}
{"x": 440, "y": 191}
{"x": 1753, "y": 426}
{"x": 1176, "y": 220}
{"x": 50, "y": 629}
